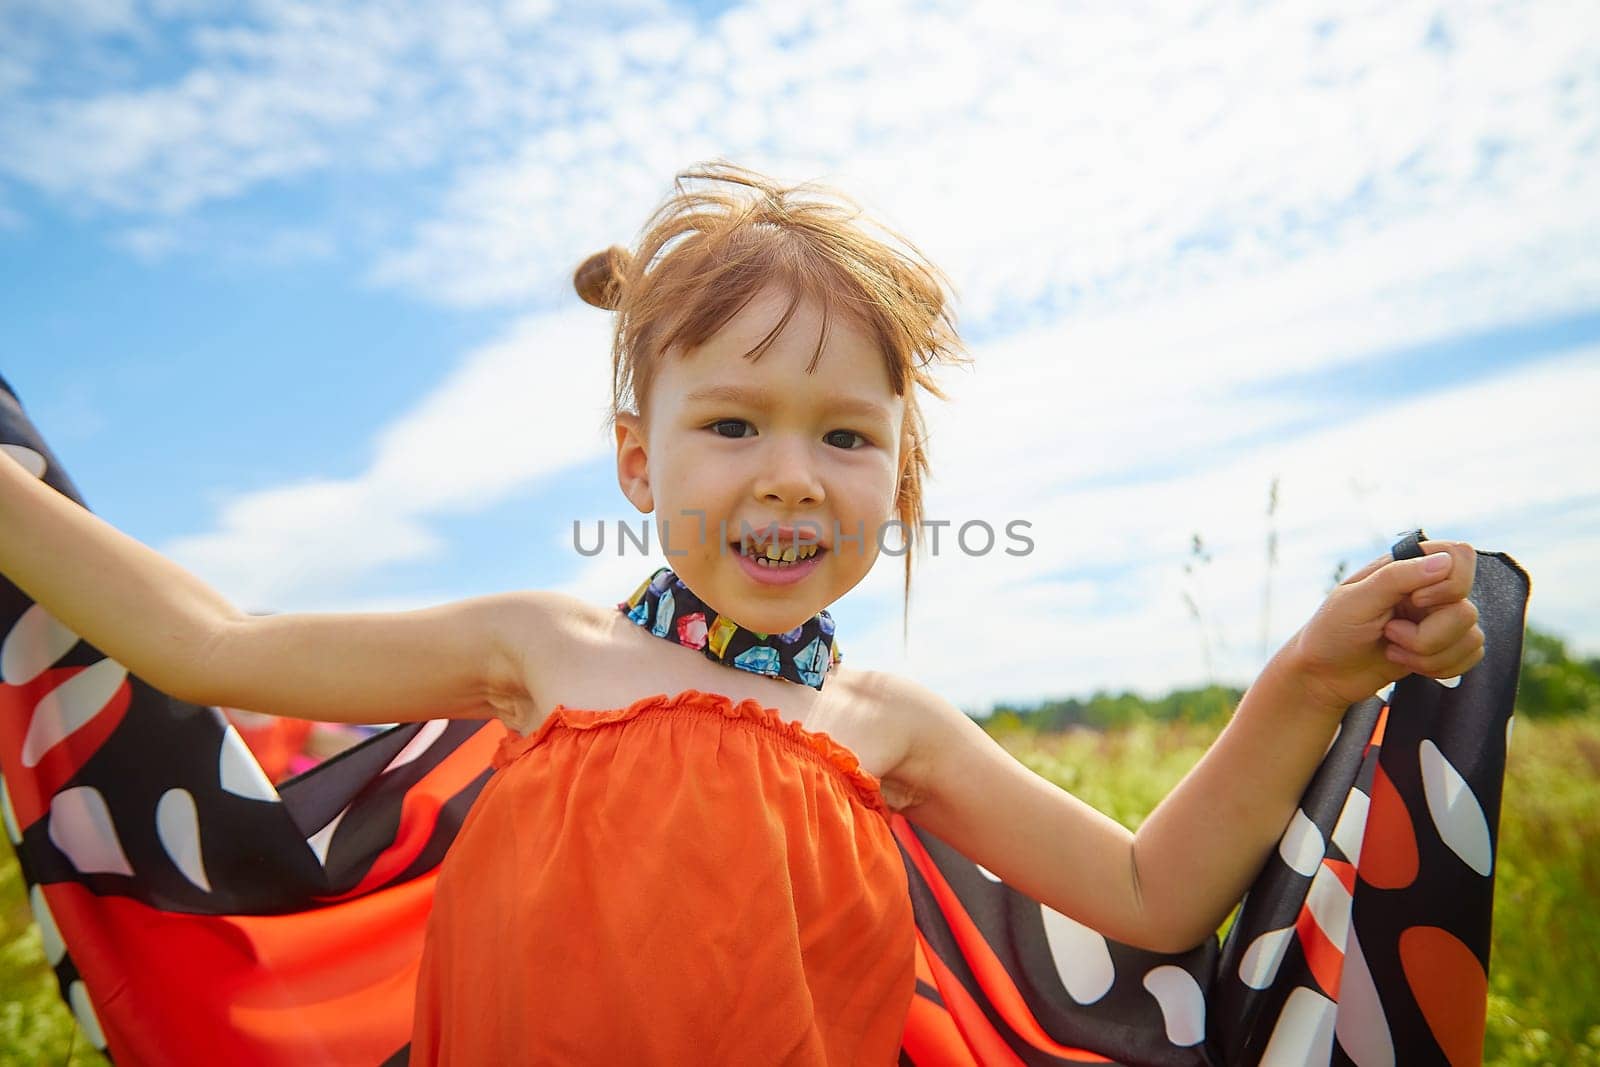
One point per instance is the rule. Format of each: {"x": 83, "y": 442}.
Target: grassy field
{"x": 1544, "y": 973}
{"x": 1544, "y": 1005}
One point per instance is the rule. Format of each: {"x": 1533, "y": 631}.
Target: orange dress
{"x": 682, "y": 881}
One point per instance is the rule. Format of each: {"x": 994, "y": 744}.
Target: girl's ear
{"x": 633, "y": 462}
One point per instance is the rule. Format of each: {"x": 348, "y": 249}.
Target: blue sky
{"x": 285, "y": 286}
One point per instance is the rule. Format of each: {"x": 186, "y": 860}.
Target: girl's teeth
{"x": 765, "y": 562}
{"x": 774, "y": 554}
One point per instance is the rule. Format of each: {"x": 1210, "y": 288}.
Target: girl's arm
{"x": 471, "y": 659}
{"x": 1169, "y": 886}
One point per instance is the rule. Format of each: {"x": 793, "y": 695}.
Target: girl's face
{"x": 755, "y": 445}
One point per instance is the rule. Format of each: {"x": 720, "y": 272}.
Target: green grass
{"x": 35, "y": 1025}
{"x": 1544, "y": 1000}
{"x": 1544, "y": 978}
{"x": 1544, "y": 981}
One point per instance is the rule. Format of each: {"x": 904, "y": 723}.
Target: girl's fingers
{"x": 1457, "y": 659}
{"x": 1458, "y": 666}
{"x": 1369, "y": 569}
{"x": 1441, "y": 628}
{"x": 1458, "y": 584}
{"x": 1388, "y": 589}
{"x": 1401, "y": 633}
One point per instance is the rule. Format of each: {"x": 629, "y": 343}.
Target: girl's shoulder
{"x": 889, "y": 719}
{"x": 546, "y": 633}
{"x": 926, "y": 733}
{"x": 887, "y": 694}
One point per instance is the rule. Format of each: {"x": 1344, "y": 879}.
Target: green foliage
{"x": 35, "y": 1025}
{"x": 1544, "y": 983}
{"x": 1110, "y": 711}
{"x": 1553, "y": 683}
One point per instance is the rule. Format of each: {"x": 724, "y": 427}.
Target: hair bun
{"x": 598, "y": 279}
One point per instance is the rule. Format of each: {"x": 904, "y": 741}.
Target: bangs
{"x": 707, "y": 290}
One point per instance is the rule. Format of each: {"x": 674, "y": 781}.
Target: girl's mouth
{"x": 791, "y": 565}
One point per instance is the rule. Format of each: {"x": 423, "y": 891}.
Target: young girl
{"x": 683, "y": 855}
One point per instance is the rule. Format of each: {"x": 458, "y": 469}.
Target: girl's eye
{"x": 716, "y": 427}
{"x": 849, "y": 434}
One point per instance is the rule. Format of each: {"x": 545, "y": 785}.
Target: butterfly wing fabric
{"x": 194, "y": 913}
{"x": 1364, "y": 940}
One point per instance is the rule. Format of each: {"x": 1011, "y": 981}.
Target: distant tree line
{"x": 1553, "y": 684}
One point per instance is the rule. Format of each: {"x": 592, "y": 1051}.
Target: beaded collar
{"x": 667, "y": 608}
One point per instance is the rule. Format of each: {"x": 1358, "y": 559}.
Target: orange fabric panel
{"x": 685, "y": 880}
{"x": 1451, "y": 989}
{"x": 1389, "y": 857}
{"x": 326, "y": 987}
{"x": 998, "y": 987}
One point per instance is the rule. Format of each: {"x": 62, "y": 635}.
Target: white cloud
{"x": 83, "y": 16}
{"x": 1039, "y": 152}
{"x": 283, "y": 96}
{"x": 1501, "y": 461}
{"x": 148, "y": 244}
{"x": 278, "y": 246}
{"x": 515, "y": 411}
{"x": 1086, "y": 162}
{"x": 16, "y": 73}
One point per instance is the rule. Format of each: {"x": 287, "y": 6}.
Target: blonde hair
{"x": 726, "y": 234}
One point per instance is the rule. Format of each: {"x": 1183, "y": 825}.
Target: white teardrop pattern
{"x": 1301, "y": 847}
{"x": 1352, "y": 825}
{"x": 9, "y": 814}
{"x": 83, "y": 1011}
{"x": 239, "y": 772}
{"x": 1362, "y": 1028}
{"x": 34, "y": 644}
{"x": 178, "y": 827}
{"x": 1182, "y": 1003}
{"x": 70, "y": 706}
{"x": 320, "y": 840}
{"x": 81, "y": 827}
{"x": 55, "y": 949}
{"x": 1303, "y": 1034}
{"x": 1455, "y": 810}
{"x": 1082, "y": 957}
{"x": 31, "y": 461}
{"x": 1258, "y": 966}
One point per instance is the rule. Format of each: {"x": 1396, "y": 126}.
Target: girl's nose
{"x": 789, "y": 476}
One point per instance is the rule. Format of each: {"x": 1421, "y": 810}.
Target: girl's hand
{"x": 1390, "y": 619}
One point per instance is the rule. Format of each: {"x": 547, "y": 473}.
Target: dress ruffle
{"x": 829, "y": 752}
